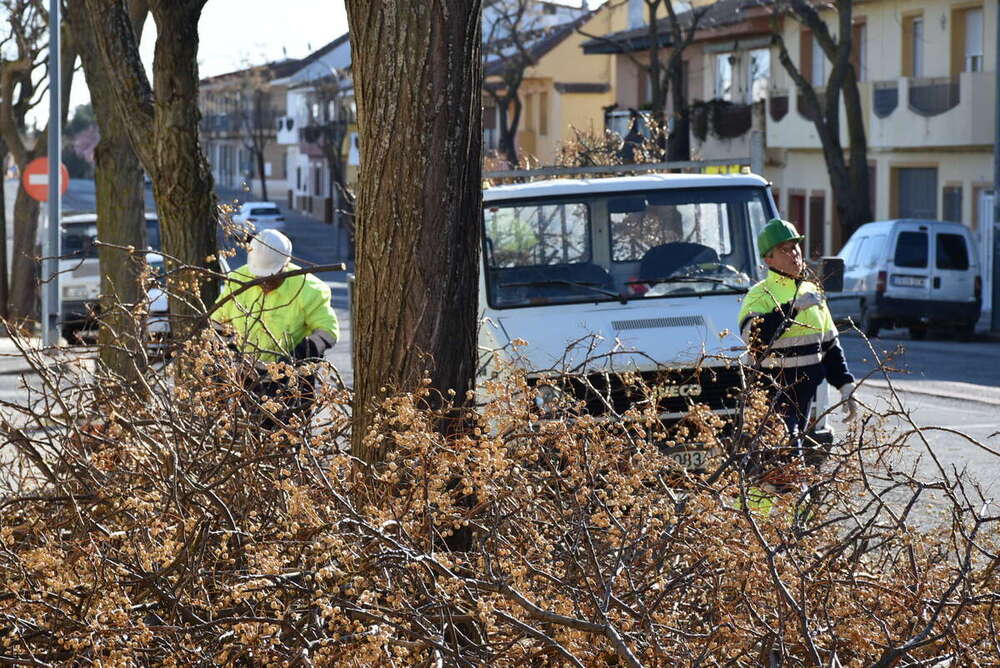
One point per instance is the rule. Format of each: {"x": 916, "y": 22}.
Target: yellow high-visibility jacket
{"x": 783, "y": 338}
{"x": 271, "y": 324}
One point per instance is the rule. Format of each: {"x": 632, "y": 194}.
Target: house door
{"x": 918, "y": 192}
{"x": 986, "y": 240}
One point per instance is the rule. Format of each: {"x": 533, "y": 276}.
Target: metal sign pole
{"x": 995, "y": 306}
{"x": 50, "y": 272}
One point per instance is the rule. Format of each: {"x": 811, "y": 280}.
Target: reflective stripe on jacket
{"x": 273, "y": 323}
{"x": 782, "y": 338}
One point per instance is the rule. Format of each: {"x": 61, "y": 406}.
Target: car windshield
{"x": 264, "y": 211}
{"x": 78, "y": 238}
{"x": 622, "y": 246}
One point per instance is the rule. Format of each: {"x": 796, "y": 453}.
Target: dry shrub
{"x": 203, "y": 526}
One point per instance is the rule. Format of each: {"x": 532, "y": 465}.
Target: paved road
{"x": 943, "y": 385}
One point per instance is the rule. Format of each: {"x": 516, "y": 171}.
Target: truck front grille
{"x": 674, "y": 390}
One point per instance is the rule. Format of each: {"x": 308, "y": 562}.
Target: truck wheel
{"x": 869, "y": 325}
{"x": 918, "y": 333}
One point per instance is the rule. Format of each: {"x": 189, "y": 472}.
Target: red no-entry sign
{"x": 36, "y": 179}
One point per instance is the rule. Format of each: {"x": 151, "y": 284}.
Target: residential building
{"x": 318, "y": 130}
{"x": 557, "y": 94}
{"x": 725, "y": 71}
{"x": 928, "y": 85}
{"x": 238, "y": 112}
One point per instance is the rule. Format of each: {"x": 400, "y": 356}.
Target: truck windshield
{"x": 622, "y": 246}
{"x": 78, "y": 238}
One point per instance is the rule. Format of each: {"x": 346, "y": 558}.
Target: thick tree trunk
{"x": 4, "y": 269}
{"x": 182, "y": 179}
{"x": 120, "y": 214}
{"x": 24, "y": 269}
{"x": 163, "y": 130}
{"x": 417, "y": 74}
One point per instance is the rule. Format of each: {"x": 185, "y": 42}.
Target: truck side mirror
{"x": 831, "y": 273}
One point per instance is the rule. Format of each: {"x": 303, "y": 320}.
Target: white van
{"x": 629, "y": 274}
{"x": 80, "y": 272}
{"x": 910, "y": 273}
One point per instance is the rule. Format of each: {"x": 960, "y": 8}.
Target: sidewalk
{"x": 13, "y": 360}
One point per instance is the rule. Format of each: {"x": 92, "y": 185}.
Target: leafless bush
{"x": 204, "y": 524}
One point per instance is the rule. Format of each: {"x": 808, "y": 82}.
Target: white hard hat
{"x": 269, "y": 252}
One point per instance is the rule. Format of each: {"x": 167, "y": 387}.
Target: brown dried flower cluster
{"x": 204, "y": 525}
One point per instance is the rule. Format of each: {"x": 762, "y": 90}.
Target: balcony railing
{"x": 725, "y": 119}
{"x": 777, "y": 102}
{"x": 930, "y": 97}
{"x": 885, "y": 97}
{"x": 803, "y": 105}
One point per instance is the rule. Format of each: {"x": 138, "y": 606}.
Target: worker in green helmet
{"x": 790, "y": 333}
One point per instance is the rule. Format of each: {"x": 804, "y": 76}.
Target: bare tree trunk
{"x": 263, "y": 177}
{"x": 25, "y": 268}
{"x": 164, "y": 134}
{"x": 679, "y": 140}
{"x": 4, "y": 269}
{"x": 419, "y": 209}
{"x": 120, "y": 211}
{"x": 508, "y": 129}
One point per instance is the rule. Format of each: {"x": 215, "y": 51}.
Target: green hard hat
{"x": 776, "y": 232}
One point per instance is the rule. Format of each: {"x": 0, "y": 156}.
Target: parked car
{"x": 257, "y": 216}
{"x": 910, "y": 273}
{"x": 80, "y": 272}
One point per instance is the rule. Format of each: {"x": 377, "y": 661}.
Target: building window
{"x": 817, "y": 224}
{"x": 758, "y": 73}
{"x": 529, "y": 113}
{"x": 913, "y": 46}
{"x": 859, "y": 50}
{"x": 543, "y": 113}
{"x": 951, "y": 201}
{"x": 973, "y": 40}
{"x": 724, "y": 76}
{"x": 818, "y": 73}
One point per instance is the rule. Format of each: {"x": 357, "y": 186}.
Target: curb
{"x": 954, "y": 396}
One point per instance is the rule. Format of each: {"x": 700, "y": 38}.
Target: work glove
{"x": 849, "y": 403}
{"x": 806, "y": 300}
{"x": 313, "y": 346}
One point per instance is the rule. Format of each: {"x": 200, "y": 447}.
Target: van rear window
{"x": 911, "y": 250}
{"x": 952, "y": 252}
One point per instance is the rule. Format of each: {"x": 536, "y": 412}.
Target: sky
{"x": 238, "y": 32}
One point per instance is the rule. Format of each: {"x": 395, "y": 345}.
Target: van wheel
{"x": 918, "y": 333}
{"x": 869, "y": 325}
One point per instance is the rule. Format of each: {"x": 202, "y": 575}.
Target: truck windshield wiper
{"x": 687, "y": 278}
{"x": 558, "y": 281}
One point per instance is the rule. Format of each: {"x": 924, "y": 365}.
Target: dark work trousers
{"x": 793, "y": 391}
{"x": 295, "y": 399}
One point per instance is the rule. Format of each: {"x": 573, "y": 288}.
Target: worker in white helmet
{"x": 280, "y": 318}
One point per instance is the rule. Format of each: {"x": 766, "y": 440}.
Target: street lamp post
{"x": 50, "y": 294}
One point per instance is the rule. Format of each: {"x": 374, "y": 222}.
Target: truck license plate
{"x": 690, "y": 459}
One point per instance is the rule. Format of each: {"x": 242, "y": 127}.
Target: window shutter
{"x": 806, "y": 54}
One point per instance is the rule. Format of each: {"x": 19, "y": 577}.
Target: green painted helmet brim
{"x": 777, "y": 232}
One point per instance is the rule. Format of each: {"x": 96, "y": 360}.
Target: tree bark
{"x": 4, "y": 269}
{"x": 25, "y": 270}
{"x": 24, "y": 260}
{"x": 418, "y": 77}
{"x": 120, "y": 212}
{"x": 163, "y": 129}
{"x": 263, "y": 176}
